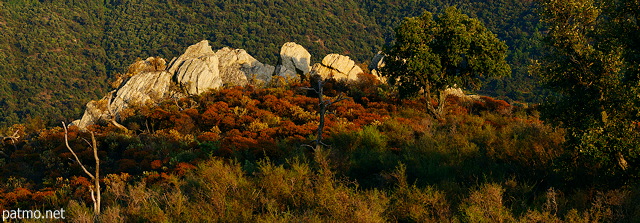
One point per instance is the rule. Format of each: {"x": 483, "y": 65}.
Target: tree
{"x": 95, "y": 190}
{"x": 431, "y": 54}
{"x": 591, "y": 63}
{"x": 323, "y": 105}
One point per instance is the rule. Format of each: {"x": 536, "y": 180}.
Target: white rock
{"x": 196, "y": 70}
{"x": 149, "y": 87}
{"x": 93, "y": 113}
{"x": 237, "y": 67}
{"x": 295, "y": 60}
{"x": 337, "y": 66}
{"x": 376, "y": 64}
{"x": 197, "y": 50}
{"x": 141, "y": 89}
{"x": 198, "y": 75}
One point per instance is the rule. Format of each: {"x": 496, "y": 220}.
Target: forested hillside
{"x": 55, "y": 56}
{"x": 188, "y": 142}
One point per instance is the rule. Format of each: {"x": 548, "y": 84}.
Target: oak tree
{"x": 433, "y": 53}
{"x": 591, "y": 63}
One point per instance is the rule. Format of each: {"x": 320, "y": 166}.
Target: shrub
{"x": 485, "y": 205}
{"x": 408, "y": 203}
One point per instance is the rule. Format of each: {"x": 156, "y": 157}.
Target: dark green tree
{"x": 431, "y": 54}
{"x": 591, "y": 63}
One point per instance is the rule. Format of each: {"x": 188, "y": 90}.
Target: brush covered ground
{"x": 240, "y": 154}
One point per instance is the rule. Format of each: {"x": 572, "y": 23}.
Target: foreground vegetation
{"x": 238, "y": 154}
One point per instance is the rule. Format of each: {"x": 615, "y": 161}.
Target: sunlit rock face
{"x": 337, "y": 66}
{"x": 197, "y": 71}
{"x": 295, "y": 61}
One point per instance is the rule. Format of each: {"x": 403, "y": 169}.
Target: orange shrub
{"x": 234, "y": 140}
{"x": 492, "y": 105}
{"x": 209, "y": 136}
{"x": 156, "y": 164}
{"x": 81, "y": 187}
{"x": 17, "y": 195}
{"x": 214, "y": 113}
{"x": 182, "y": 168}
{"x": 183, "y": 123}
{"x": 158, "y": 113}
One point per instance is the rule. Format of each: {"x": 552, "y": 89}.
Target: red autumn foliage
{"x": 183, "y": 168}
{"x": 209, "y": 136}
{"x": 235, "y": 140}
{"x": 183, "y": 123}
{"x": 156, "y": 164}
{"x": 82, "y": 188}
{"x": 17, "y": 195}
{"x": 492, "y": 105}
{"x": 496, "y": 105}
{"x": 154, "y": 178}
{"x": 214, "y": 113}
{"x": 159, "y": 113}
{"x": 40, "y": 196}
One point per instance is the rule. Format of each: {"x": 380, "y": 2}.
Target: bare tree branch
{"x": 96, "y": 180}
{"x": 95, "y": 190}
{"x": 323, "y": 108}
{"x": 66, "y": 142}
{"x": 14, "y": 138}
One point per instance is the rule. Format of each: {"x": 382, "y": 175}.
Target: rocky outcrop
{"x": 140, "y": 89}
{"x": 194, "y": 51}
{"x": 201, "y": 69}
{"x": 95, "y": 111}
{"x": 197, "y": 71}
{"x": 295, "y": 61}
{"x": 198, "y": 75}
{"x": 148, "y": 87}
{"x": 337, "y": 66}
{"x": 457, "y": 92}
{"x": 237, "y": 67}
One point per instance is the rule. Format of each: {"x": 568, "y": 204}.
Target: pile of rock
{"x": 200, "y": 69}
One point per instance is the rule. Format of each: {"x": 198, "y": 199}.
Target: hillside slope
{"x": 56, "y": 56}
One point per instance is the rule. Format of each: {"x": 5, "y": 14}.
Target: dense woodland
{"x": 558, "y": 146}
{"x": 55, "y": 56}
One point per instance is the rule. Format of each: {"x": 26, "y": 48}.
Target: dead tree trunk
{"x": 14, "y": 139}
{"x": 323, "y": 106}
{"x": 95, "y": 190}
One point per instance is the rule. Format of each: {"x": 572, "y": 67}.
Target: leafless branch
{"x": 323, "y": 106}
{"x": 66, "y": 142}
{"x": 14, "y": 138}
{"x": 95, "y": 190}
